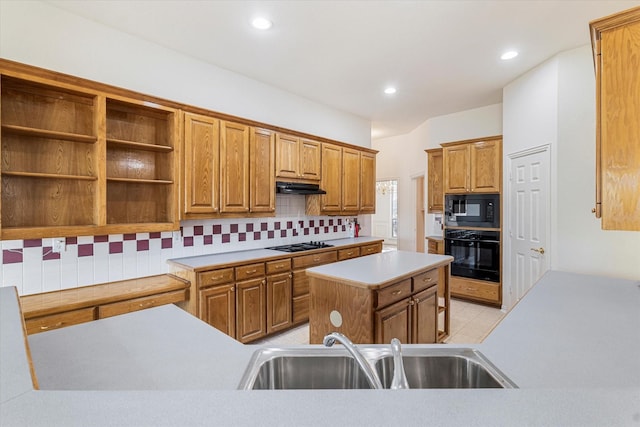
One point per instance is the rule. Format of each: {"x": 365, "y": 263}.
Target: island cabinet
{"x": 379, "y": 297}
{"x": 616, "y": 48}
{"x": 297, "y": 159}
{"x": 473, "y": 166}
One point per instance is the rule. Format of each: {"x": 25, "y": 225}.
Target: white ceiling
{"x": 442, "y": 55}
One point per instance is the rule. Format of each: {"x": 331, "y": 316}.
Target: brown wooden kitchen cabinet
{"x": 300, "y": 287}
{"x": 57, "y": 309}
{"x": 435, "y": 185}
{"x": 201, "y": 165}
{"x": 367, "y": 183}
{"x": 473, "y": 166}
{"x": 406, "y": 309}
{"x": 234, "y": 168}
{"x": 217, "y": 299}
{"x": 78, "y": 160}
{"x": 297, "y": 159}
{"x": 261, "y": 171}
{"x": 616, "y": 48}
{"x": 348, "y": 177}
{"x": 413, "y": 320}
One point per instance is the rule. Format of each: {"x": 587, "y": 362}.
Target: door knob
{"x": 539, "y": 250}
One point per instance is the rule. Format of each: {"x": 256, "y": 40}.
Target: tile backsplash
{"x": 33, "y": 267}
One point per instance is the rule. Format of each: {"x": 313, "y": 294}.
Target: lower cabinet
{"x": 251, "y": 305}
{"x": 406, "y": 309}
{"x": 278, "y": 302}
{"x": 218, "y": 307}
{"x": 413, "y": 320}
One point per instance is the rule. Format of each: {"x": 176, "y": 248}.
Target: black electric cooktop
{"x": 299, "y": 247}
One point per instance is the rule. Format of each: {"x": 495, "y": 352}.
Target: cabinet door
{"x": 394, "y": 322}
{"x": 250, "y": 305}
{"x": 350, "y": 181}
{"x": 435, "y": 187}
{"x": 618, "y": 154}
{"x": 218, "y": 308}
{"x": 486, "y": 164}
{"x": 456, "y": 168}
{"x": 309, "y": 167}
{"x": 367, "y": 183}
{"x": 234, "y": 167}
{"x": 278, "y": 302}
{"x": 201, "y": 163}
{"x": 425, "y": 317}
{"x": 332, "y": 178}
{"x": 287, "y": 156}
{"x": 261, "y": 172}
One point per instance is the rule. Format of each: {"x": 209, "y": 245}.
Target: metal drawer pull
{"x": 427, "y": 279}
{"x": 57, "y": 325}
{"x": 146, "y": 304}
{"x": 396, "y": 292}
{"x": 316, "y": 259}
{"x": 251, "y": 272}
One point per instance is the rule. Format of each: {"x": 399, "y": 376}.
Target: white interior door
{"x": 529, "y": 201}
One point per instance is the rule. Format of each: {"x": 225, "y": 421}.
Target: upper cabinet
{"x": 228, "y": 168}
{"x": 348, "y": 177}
{"x": 367, "y": 183}
{"x": 473, "y": 166}
{"x": 297, "y": 159}
{"x": 234, "y": 168}
{"x": 616, "y": 49}
{"x": 77, "y": 160}
{"x": 262, "y": 179}
{"x": 201, "y": 165}
{"x": 435, "y": 187}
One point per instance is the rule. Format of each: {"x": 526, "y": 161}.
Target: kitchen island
{"x": 571, "y": 345}
{"x": 379, "y": 297}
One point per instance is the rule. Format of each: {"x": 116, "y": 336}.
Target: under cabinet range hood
{"x": 298, "y": 188}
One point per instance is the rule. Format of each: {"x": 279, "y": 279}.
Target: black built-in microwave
{"x": 472, "y": 210}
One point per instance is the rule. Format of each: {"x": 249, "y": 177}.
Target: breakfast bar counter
{"x": 163, "y": 367}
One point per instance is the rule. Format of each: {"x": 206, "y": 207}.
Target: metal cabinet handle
{"x": 396, "y": 292}
{"x": 427, "y": 279}
{"x": 251, "y": 272}
{"x": 539, "y": 250}
{"x": 146, "y": 304}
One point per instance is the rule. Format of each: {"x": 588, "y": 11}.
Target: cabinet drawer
{"x": 348, "y": 253}
{"x": 56, "y": 321}
{"x": 425, "y": 280}
{"x": 393, "y": 293}
{"x": 215, "y": 277}
{"x": 313, "y": 260}
{"x": 249, "y": 271}
{"x": 371, "y": 249}
{"x": 487, "y": 291}
{"x": 136, "y": 304}
{"x": 279, "y": 266}
{"x": 432, "y": 246}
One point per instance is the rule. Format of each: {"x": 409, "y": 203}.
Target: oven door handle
{"x": 473, "y": 240}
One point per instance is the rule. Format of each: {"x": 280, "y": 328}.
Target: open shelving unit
{"x": 78, "y": 161}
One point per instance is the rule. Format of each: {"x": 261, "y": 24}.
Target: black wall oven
{"x": 476, "y": 253}
{"x": 472, "y": 210}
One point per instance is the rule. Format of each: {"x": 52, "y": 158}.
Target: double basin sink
{"x": 323, "y": 368}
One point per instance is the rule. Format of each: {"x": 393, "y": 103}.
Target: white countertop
{"x": 559, "y": 324}
{"x": 379, "y": 269}
{"x": 200, "y": 262}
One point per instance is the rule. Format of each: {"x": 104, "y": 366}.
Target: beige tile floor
{"x": 470, "y": 324}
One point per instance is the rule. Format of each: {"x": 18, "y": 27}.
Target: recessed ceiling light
{"x": 390, "y": 90}
{"x": 509, "y": 55}
{"x": 261, "y": 23}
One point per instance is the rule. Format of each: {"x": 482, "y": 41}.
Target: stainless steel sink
{"x": 323, "y": 368}
{"x": 460, "y": 368}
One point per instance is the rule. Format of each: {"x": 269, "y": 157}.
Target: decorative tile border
{"x": 207, "y": 234}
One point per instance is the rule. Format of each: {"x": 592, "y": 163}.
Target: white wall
{"x": 40, "y": 34}
{"x": 403, "y": 157}
{"x": 554, "y": 104}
